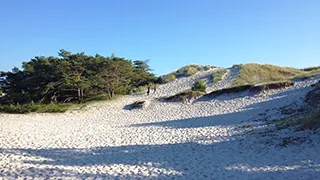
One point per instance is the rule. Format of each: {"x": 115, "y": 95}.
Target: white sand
{"x": 163, "y": 141}
{"x": 227, "y": 80}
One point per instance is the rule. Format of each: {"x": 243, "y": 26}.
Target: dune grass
{"x": 253, "y": 73}
{"x": 310, "y": 122}
{"x": 217, "y": 76}
{"x": 185, "y": 71}
{"x": 252, "y": 88}
{"x": 303, "y": 121}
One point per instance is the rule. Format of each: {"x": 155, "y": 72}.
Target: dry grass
{"x": 252, "y": 88}
{"x": 217, "y": 76}
{"x": 252, "y": 73}
{"x": 303, "y": 121}
{"x": 310, "y": 122}
{"x": 185, "y": 71}
{"x": 183, "y": 96}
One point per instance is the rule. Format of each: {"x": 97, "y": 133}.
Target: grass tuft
{"x": 217, "y": 76}
{"x": 185, "y": 71}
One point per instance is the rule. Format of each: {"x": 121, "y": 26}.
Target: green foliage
{"x": 251, "y": 74}
{"x": 185, "y": 71}
{"x": 217, "y": 76}
{"x": 28, "y": 108}
{"x": 102, "y": 97}
{"x": 199, "y": 86}
{"x": 253, "y": 88}
{"x": 71, "y": 78}
{"x": 167, "y": 78}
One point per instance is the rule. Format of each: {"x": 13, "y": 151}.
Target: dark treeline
{"x": 72, "y": 78}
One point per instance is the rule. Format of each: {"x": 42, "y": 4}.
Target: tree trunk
{"x": 54, "y": 98}
{"x": 79, "y": 95}
{"x": 109, "y": 94}
{"x": 82, "y": 94}
{"x": 112, "y": 95}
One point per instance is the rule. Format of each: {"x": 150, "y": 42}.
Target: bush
{"x": 167, "y": 78}
{"x": 31, "y": 107}
{"x": 191, "y": 71}
{"x": 199, "y": 86}
{"x": 207, "y": 67}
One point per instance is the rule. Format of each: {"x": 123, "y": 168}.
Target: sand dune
{"x": 203, "y": 140}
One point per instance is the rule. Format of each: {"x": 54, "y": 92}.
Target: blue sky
{"x": 171, "y": 33}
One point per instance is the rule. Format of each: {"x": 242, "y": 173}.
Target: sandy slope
{"x": 203, "y": 140}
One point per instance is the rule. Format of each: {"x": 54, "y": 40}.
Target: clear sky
{"x": 171, "y": 33}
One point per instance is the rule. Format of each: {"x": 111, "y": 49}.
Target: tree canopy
{"x": 72, "y": 77}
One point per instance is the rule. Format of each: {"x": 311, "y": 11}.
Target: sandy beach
{"x": 207, "y": 139}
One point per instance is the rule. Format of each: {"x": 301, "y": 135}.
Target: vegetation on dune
{"x": 31, "y": 107}
{"x": 217, "y": 76}
{"x": 185, "y": 71}
{"x": 252, "y": 73}
{"x": 306, "y": 116}
{"x": 199, "y": 86}
{"x": 198, "y": 89}
{"x": 312, "y": 69}
{"x": 312, "y": 121}
{"x": 252, "y": 88}
{"x": 302, "y": 121}
{"x": 46, "y": 82}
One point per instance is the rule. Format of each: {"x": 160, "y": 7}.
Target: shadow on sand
{"x": 226, "y": 160}
{"x": 235, "y": 158}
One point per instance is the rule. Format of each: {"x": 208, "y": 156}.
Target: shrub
{"x": 167, "y": 78}
{"x": 191, "y": 71}
{"x": 31, "y": 107}
{"x": 199, "y": 86}
{"x": 207, "y": 67}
